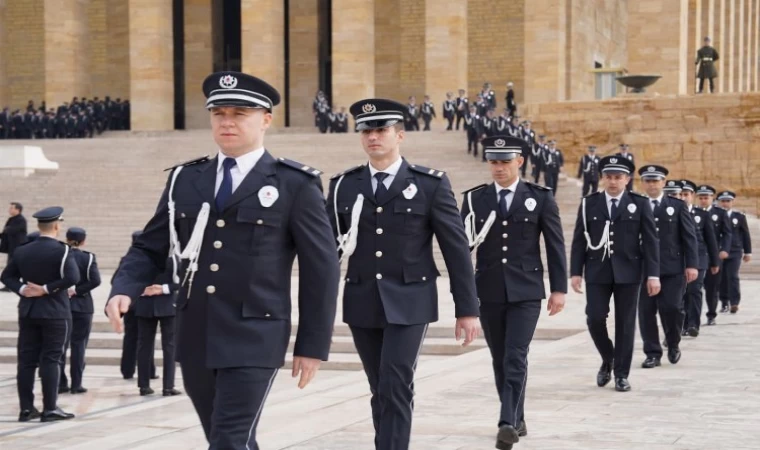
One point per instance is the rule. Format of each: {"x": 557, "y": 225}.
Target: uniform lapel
{"x": 255, "y": 180}
{"x": 364, "y": 180}
{"x": 488, "y": 198}
{"x": 518, "y": 198}
{"x": 625, "y": 200}
{"x": 206, "y": 182}
{"x": 399, "y": 183}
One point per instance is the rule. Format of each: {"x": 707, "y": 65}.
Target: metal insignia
{"x": 651, "y": 169}
{"x": 697, "y": 219}
{"x": 735, "y": 221}
{"x": 228, "y": 82}
{"x": 500, "y": 143}
{"x": 671, "y": 183}
{"x": 613, "y": 160}
{"x": 715, "y": 217}
{"x": 631, "y": 208}
{"x": 369, "y": 108}
{"x": 670, "y": 210}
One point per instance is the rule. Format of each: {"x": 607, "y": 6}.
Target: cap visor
{"x": 376, "y": 124}
{"x": 492, "y": 156}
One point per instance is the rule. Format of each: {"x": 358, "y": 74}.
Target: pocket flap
{"x": 522, "y": 218}
{"x": 189, "y": 211}
{"x": 258, "y": 216}
{"x": 532, "y": 266}
{"x": 345, "y": 207}
{"x": 419, "y": 209}
{"x": 419, "y": 274}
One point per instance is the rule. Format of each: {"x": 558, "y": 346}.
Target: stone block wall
{"x": 304, "y": 61}
{"x": 24, "y": 52}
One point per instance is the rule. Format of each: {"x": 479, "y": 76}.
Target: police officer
{"x": 504, "y": 221}
{"x": 588, "y": 169}
{"x": 472, "y": 125}
{"x": 673, "y": 188}
{"x": 463, "y": 107}
{"x": 428, "y": 112}
{"x": 449, "y": 110}
{"x": 708, "y": 258}
{"x": 615, "y": 244}
{"x": 679, "y": 262}
{"x": 47, "y": 270}
{"x": 412, "y": 115}
{"x": 741, "y": 250}
{"x": 723, "y": 233}
{"x": 625, "y": 153}
{"x": 530, "y": 137}
{"x": 385, "y": 214}
{"x": 537, "y": 157}
{"x": 552, "y": 163}
{"x": 239, "y": 219}
{"x": 510, "y": 99}
{"x": 81, "y": 309}
{"x": 706, "y": 58}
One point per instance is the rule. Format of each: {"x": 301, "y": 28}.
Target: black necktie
{"x": 381, "y": 190}
{"x": 503, "y": 202}
{"x": 225, "y": 189}
{"x": 613, "y": 208}
{"x": 656, "y": 203}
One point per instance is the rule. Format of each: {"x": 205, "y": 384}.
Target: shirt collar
{"x": 658, "y": 199}
{"x": 609, "y": 197}
{"x": 244, "y": 162}
{"x": 512, "y": 187}
{"x": 391, "y": 170}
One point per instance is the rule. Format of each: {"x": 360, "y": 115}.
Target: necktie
{"x": 655, "y": 204}
{"x": 380, "y": 190}
{"x": 503, "y": 202}
{"x": 225, "y": 189}
{"x": 613, "y": 208}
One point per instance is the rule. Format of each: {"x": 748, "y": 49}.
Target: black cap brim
{"x": 499, "y": 156}
{"x": 376, "y": 124}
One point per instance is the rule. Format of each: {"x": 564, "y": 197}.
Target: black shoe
{"x": 27, "y": 415}
{"x": 622, "y": 385}
{"x": 724, "y": 309}
{"x": 604, "y": 375}
{"x": 63, "y": 389}
{"x": 651, "y": 362}
{"x": 128, "y": 377}
{"x": 56, "y": 414}
{"x": 171, "y": 392}
{"x": 146, "y": 391}
{"x": 664, "y": 343}
{"x": 522, "y": 430}
{"x": 507, "y": 435}
{"x": 734, "y": 309}
{"x": 684, "y": 333}
{"x": 78, "y": 390}
{"x": 155, "y": 377}
{"x": 711, "y": 322}
{"x": 5, "y": 289}
{"x": 674, "y": 355}
{"x": 693, "y": 332}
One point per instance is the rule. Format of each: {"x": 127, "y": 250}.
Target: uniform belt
{"x": 707, "y": 59}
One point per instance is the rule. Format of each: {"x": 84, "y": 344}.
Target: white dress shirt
{"x": 658, "y": 199}
{"x": 244, "y": 164}
{"x": 512, "y": 188}
{"x": 391, "y": 170}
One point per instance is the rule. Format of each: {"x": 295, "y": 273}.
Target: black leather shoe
{"x": 651, "y": 363}
{"x": 684, "y": 333}
{"x": 63, "y": 389}
{"x": 522, "y": 430}
{"x": 27, "y": 415}
{"x": 734, "y": 309}
{"x": 78, "y": 390}
{"x": 664, "y": 343}
{"x": 724, "y": 309}
{"x": 155, "y": 377}
{"x": 507, "y": 435}
{"x": 693, "y": 332}
{"x": 171, "y": 392}
{"x": 674, "y": 355}
{"x": 604, "y": 375}
{"x": 711, "y": 322}
{"x": 622, "y": 385}
{"x": 146, "y": 391}
{"x": 56, "y": 414}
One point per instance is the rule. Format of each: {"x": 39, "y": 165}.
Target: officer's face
{"x": 687, "y": 196}
{"x": 653, "y": 187}
{"x": 726, "y": 204}
{"x": 382, "y": 143}
{"x": 239, "y": 130}
{"x": 614, "y": 183}
{"x": 506, "y": 172}
{"x": 705, "y": 201}
{"x": 12, "y": 211}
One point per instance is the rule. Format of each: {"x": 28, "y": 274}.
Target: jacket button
{"x": 504, "y": 235}
{"x": 210, "y": 289}
{"x": 505, "y": 223}
{"x": 267, "y": 315}
{"x": 504, "y": 249}
{"x": 220, "y": 223}
{"x": 612, "y": 233}
{"x": 214, "y": 267}
{"x": 379, "y": 276}
{"x": 379, "y": 209}
{"x": 658, "y": 228}
{"x": 612, "y": 252}
{"x": 424, "y": 278}
{"x": 408, "y": 209}
{"x": 656, "y": 219}
{"x": 379, "y": 231}
{"x": 379, "y": 254}
{"x": 504, "y": 261}
{"x": 217, "y": 244}
{"x": 348, "y": 279}
{"x": 612, "y": 242}
{"x": 182, "y": 215}
{"x": 259, "y": 222}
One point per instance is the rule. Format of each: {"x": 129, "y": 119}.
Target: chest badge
{"x": 715, "y": 217}
{"x": 697, "y": 219}
{"x": 735, "y": 221}
{"x": 268, "y": 195}
{"x": 670, "y": 210}
{"x": 410, "y": 191}
{"x": 530, "y": 204}
{"x": 631, "y": 208}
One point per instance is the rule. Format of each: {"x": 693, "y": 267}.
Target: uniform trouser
{"x": 692, "y": 311}
{"x": 389, "y": 356}
{"x": 77, "y": 341}
{"x": 472, "y": 142}
{"x": 414, "y": 124}
{"x": 669, "y": 303}
{"x": 551, "y": 177}
{"x": 40, "y": 343}
{"x": 63, "y": 381}
{"x": 508, "y": 329}
{"x": 450, "y": 119}
{"x": 228, "y": 401}
{"x": 712, "y": 286}
{"x": 323, "y": 123}
{"x": 524, "y": 168}
{"x": 702, "y": 84}
{"x": 626, "y": 297}
{"x": 427, "y": 120}
{"x": 146, "y": 338}
{"x": 460, "y": 117}
{"x": 129, "y": 346}
{"x": 536, "y": 170}
{"x": 730, "y": 289}
{"x": 590, "y": 185}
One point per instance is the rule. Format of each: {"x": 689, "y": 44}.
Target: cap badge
{"x": 500, "y": 143}
{"x": 651, "y": 169}
{"x": 613, "y": 160}
{"x": 228, "y": 82}
{"x": 369, "y": 108}
{"x": 671, "y": 183}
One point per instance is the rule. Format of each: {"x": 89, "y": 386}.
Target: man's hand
{"x": 747, "y": 258}
{"x": 556, "y": 303}
{"x": 471, "y": 328}
{"x": 576, "y": 281}
{"x": 653, "y": 287}
{"x": 723, "y": 255}
{"x": 33, "y": 290}
{"x": 691, "y": 274}
{"x": 116, "y": 306}
{"x": 714, "y": 270}
{"x": 152, "y": 290}
{"x": 307, "y": 367}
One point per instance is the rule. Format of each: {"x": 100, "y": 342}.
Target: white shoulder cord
{"x": 192, "y": 251}
{"x": 89, "y": 265}
{"x": 604, "y": 241}
{"x": 63, "y": 261}
{"x": 347, "y": 242}
{"x": 470, "y": 224}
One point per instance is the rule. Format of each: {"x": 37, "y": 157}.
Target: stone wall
{"x": 304, "y": 61}
{"x": 24, "y": 52}
{"x": 198, "y": 60}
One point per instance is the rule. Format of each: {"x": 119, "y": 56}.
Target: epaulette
{"x": 543, "y": 188}
{"x": 298, "y": 166}
{"x": 674, "y": 198}
{"x": 427, "y": 171}
{"x": 636, "y": 194}
{"x": 189, "y": 163}
{"x": 593, "y": 194}
{"x": 478, "y": 187}
{"x": 347, "y": 171}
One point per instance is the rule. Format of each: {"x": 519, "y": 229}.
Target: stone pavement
{"x": 708, "y": 401}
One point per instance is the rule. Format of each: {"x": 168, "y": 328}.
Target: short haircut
{"x": 18, "y": 206}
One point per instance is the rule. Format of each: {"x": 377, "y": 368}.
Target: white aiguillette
{"x": 410, "y": 191}
{"x": 268, "y": 195}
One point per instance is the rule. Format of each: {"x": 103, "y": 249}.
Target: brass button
{"x": 504, "y": 249}
{"x": 504, "y": 261}
{"x": 408, "y": 209}
{"x": 612, "y": 233}
{"x": 504, "y": 235}
{"x": 424, "y": 278}
{"x": 214, "y": 267}
{"x": 379, "y": 209}
{"x": 379, "y": 254}
{"x": 656, "y": 219}
{"x": 267, "y": 315}
{"x": 504, "y": 223}
{"x": 526, "y": 219}
{"x": 612, "y": 252}
{"x": 182, "y": 215}
{"x": 379, "y": 276}
{"x": 259, "y": 222}
{"x": 210, "y": 289}
{"x": 379, "y": 231}
{"x": 658, "y": 229}
{"x": 220, "y": 223}
{"x": 217, "y": 244}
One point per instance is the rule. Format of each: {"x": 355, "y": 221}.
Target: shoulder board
{"x": 478, "y": 187}
{"x": 189, "y": 163}
{"x": 537, "y": 186}
{"x": 347, "y": 171}
{"x": 427, "y": 171}
{"x": 679, "y": 200}
{"x": 636, "y": 194}
{"x": 738, "y": 212}
{"x": 85, "y": 252}
{"x": 593, "y": 194}
{"x": 301, "y": 167}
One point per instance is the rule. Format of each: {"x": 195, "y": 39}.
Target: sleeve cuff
{"x": 21, "y": 289}
{"x": 44, "y": 288}
{"x": 166, "y": 289}
{"x": 653, "y": 278}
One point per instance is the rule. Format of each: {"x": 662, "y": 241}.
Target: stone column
{"x": 445, "y": 50}
{"x": 546, "y": 44}
{"x": 757, "y": 45}
{"x": 198, "y": 61}
{"x": 3, "y": 60}
{"x": 24, "y": 55}
{"x": 97, "y": 49}
{"x": 740, "y": 59}
{"x": 263, "y": 46}
{"x": 711, "y": 20}
{"x": 151, "y": 65}
{"x": 691, "y": 11}
{"x": 412, "y": 52}
{"x": 304, "y": 61}
{"x": 722, "y": 85}
{"x": 731, "y": 44}
{"x": 65, "y": 51}
{"x": 353, "y": 51}
{"x": 647, "y": 55}
{"x": 117, "y": 26}
{"x": 387, "y": 50}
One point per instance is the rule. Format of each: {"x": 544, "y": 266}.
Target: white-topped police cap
{"x": 238, "y": 89}
{"x": 705, "y": 189}
{"x": 50, "y": 214}
{"x": 652, "y": 172}
{"x": 727, "y": 195}
{"x": 377, "y": 113}
{"x": 616, "y": 164}
{"x": 503, "y": 148}
{"x": 688, "y": 185}
{"x": 673, "y": 186}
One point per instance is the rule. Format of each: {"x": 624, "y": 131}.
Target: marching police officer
{"x": 412, "y": 115}
{"x": 530, "y": 137}
{"x": 472, "y": 125}
{"x": 239, "y": 219}
{"x": 719, "y": 219}
{"x": 385, "y": 214}
{"x": 588, "y": 169}
{"x": 615, "y": 245}
{"x": 81, "y": 309}
{"x": 741, "y": 250}
{"x": 504, "y": 220}
{"x": 672, "y": 188}
{"x": 625, "y": 153}
{"x": 428, "y": 112}
{"x": 449, "y": 110}
{"x": 463, "y": 107}
{"x": 708, "y": 258}
{"x": 47, "y": 270}
{"x": 537, "y": 157}
{"x": 678, "y": 257}
{"x": 552, "y": 164}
